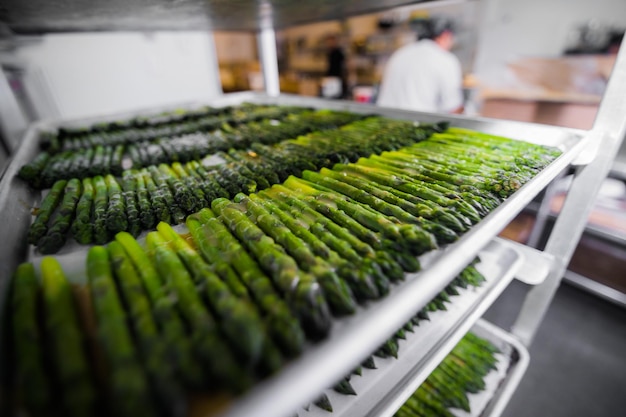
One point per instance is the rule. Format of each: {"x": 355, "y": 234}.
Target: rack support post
{"x": 609, "y": 130}
{"x": 269, "y": 61}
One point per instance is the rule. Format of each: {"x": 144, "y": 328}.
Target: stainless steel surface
{"x": 609, "y": 130}
{"x": 536, "y": 264}
{"x": 13, "y": 122}
{"x": 37, "y": 16}
{"x": 594, "y": 287}
{"x": 354, "y": 338}
{"x": 16, "y": 200}
{"x": 382, "y": 391}
{"x": 520, "y": 359}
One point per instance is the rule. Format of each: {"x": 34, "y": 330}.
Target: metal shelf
{"x": 353, "y": 338}
{"x": 382, "y": 391}
{"x": 41, "y": 16}
{"x": 501, "y": 383}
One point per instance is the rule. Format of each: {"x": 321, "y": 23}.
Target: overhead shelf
{"x": 41, "y": 16}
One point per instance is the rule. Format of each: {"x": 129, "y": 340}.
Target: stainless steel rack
{"x": 422, "y": 351}
{"x": 354, "y": 338}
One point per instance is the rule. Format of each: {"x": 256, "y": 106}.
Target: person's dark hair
{"x": 433, "y": 27}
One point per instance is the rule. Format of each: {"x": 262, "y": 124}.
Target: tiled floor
{"x": 577, "y": 360}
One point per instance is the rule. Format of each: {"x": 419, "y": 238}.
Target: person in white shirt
{"x": 425, "y": 75}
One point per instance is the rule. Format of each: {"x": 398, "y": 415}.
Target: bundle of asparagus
{"x": 145, "y": 128}
{"x": 107, "y": 158}
{"x": 165, "y": 194}
{"x": 420, "y": 190}
{"x": 391, "y": 348}
{"x": 100, "y": 160}
{"x": 107, "y": 153}
{"x": 196, "y": 146}
{"x": 58, "y": 341}
{"x": 170, "y": 318}
{"x": 461, "y": 372}
{"x": 264, "y": 271}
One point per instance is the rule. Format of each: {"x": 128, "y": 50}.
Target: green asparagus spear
{"x": 66, "y": 341}
{"x": 31, "y": 172}
{"x": 359, "y": 279}
{"x": 408, "y": 236}
{"x": 183, "y": 196}
{"x": 116, "y": 220}
{"x": 302, "y": 290}
{"x": 116, "y": 167}
{"x": 32, "y": 380}
{"x": 238, "y": 319}
{"x": 164, "y": 310}
{"x": 130, "y": 196}
{"x": 159, "y": 202}
{"x": 48, "y": 205}
{"x": 210, "y": 233}
{"x": 153, "y": 347}
{"x": 100, "y": 204}
{"x": 127, "y": 380}
{"x": 56, "y": 234}
{"x": 345, "y": 229}
{"x": 220, "y": 258}
{"x": 336, "y": 291}
{"x": 82, "y": 228}
{"x": 216, "y": 355}
{"x": 144, "y": 202}
{"x": 442, "y": 233}
{"x": 193, "y": 185}
{"x": 405, "y": 184}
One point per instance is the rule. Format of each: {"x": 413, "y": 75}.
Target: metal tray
{"x": 380, "y": 392}
{"x": 361, "y": 334}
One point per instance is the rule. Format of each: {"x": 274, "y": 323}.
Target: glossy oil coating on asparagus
{"x": 66, "y": 341}
{"x": 210, "y": 233}
{"x": 128, "y": 381}
{"x": 57, "y": 232}
{"x": 266, "y": 267}
{"x": 427, "y": 175}
{"x": 33, "y": 383}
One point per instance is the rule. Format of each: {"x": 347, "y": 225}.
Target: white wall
{"x": 99, "y": 73}
{"x": 511, "y": 29}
